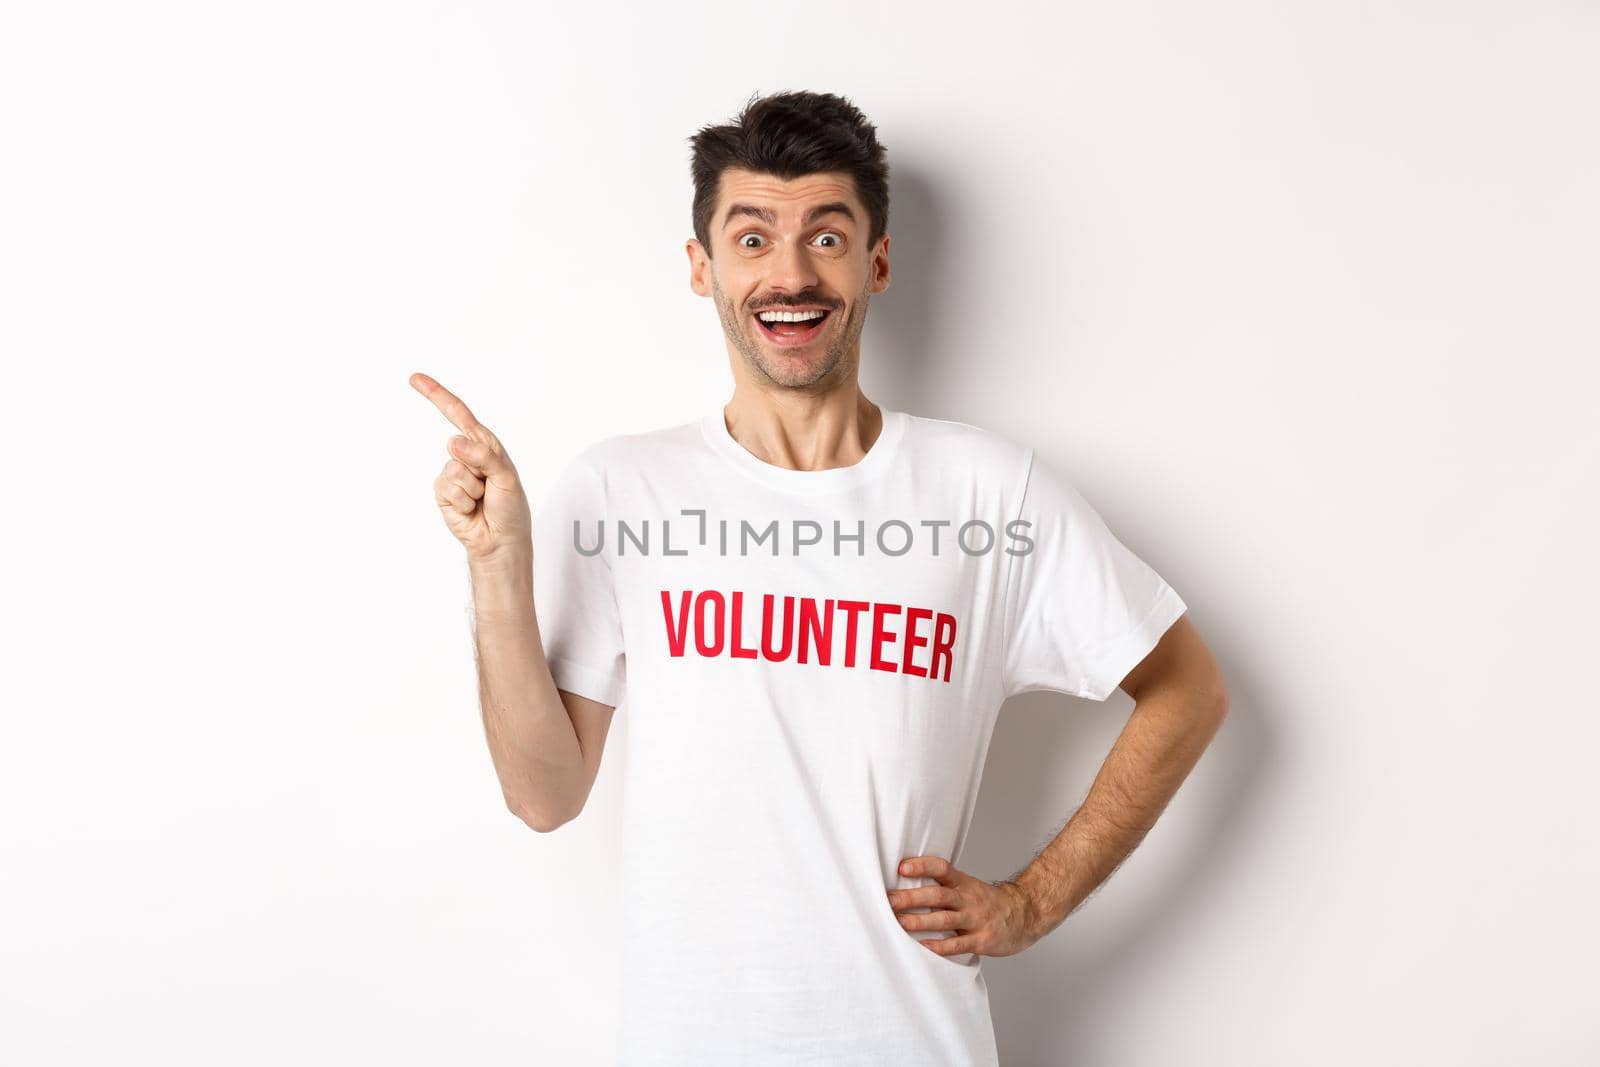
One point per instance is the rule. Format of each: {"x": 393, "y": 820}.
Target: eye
{"x": 836, "y": 238}
{"x": 747, "y": 236}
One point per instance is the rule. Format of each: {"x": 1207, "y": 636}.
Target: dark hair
{"x": 790, "y": 135}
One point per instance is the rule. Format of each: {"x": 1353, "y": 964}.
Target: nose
{"x": 791, "y": 269}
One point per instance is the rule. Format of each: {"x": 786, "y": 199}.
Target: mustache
{"x": 797, "y": 304}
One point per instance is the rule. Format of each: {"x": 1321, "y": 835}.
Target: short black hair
{"x": 790, "y": 135}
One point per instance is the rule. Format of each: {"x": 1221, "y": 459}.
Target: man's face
{"x": 792, "y": 246}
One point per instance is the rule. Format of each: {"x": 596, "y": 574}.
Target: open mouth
{"x": 793, "y": 327}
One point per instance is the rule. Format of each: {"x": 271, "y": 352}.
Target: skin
{"x": 800, "y": 408}
{"x": 545, "y": 742}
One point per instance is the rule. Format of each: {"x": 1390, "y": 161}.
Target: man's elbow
{"x": 1214, "y": 697}
{"x": 537, "y": 818}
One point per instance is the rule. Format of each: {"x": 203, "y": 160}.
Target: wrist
{"x": 502, "y": 587}
{"x": 1041, "y": 900}
{"x": 1032, "y": 919}
{"x": 504, "y": 564}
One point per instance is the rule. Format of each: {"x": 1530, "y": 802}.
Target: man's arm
{"x": 1180, "y": 702}
{"x": 545, "y": 742}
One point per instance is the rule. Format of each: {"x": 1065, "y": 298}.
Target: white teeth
{"x": 789, "y": 316}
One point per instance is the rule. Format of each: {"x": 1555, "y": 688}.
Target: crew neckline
{"x": 714, "y": 428}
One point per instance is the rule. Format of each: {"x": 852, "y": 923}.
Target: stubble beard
{"x": 789, "y": 373}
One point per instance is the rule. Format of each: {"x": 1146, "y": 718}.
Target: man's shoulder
{"x": 633, "y": 447}
{"x": 970, "y": 443}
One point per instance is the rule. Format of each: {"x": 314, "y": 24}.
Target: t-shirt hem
{"x": 605, "y": 686}
{"x": 1113, "y": 665}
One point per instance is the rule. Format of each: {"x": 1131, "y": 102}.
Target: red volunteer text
{"x": 716, "y": 623}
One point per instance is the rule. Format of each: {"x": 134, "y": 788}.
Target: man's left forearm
{"x": 1164, "y": 738}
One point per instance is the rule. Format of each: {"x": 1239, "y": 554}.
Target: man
{"x": 814, "y": 607}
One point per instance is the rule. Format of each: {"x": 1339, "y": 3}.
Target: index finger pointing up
{"x": 447, "y": 402}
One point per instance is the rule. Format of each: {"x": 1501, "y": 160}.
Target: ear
{"x": 699, "y": 267}
{"x": 879, "y": 266}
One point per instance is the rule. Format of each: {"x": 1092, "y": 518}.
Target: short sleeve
{"x": 573, "y": 596}
{"x": 1081, "y": 610}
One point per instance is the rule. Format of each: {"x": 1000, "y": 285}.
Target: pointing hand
{"x": 478, "y": 491}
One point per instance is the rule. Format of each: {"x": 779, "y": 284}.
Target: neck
{"x": 806, "y": 433}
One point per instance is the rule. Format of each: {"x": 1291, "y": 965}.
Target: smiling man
{"x": 803, "y": 331}
{"x": 807, "y": 720}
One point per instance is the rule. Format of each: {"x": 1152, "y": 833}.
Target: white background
{"x": 1302, "y": 296}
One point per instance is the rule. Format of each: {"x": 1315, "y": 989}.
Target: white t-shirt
{"x": 810, "y": 664}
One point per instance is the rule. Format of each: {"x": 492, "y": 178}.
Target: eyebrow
{"x": 767, "y": 216}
